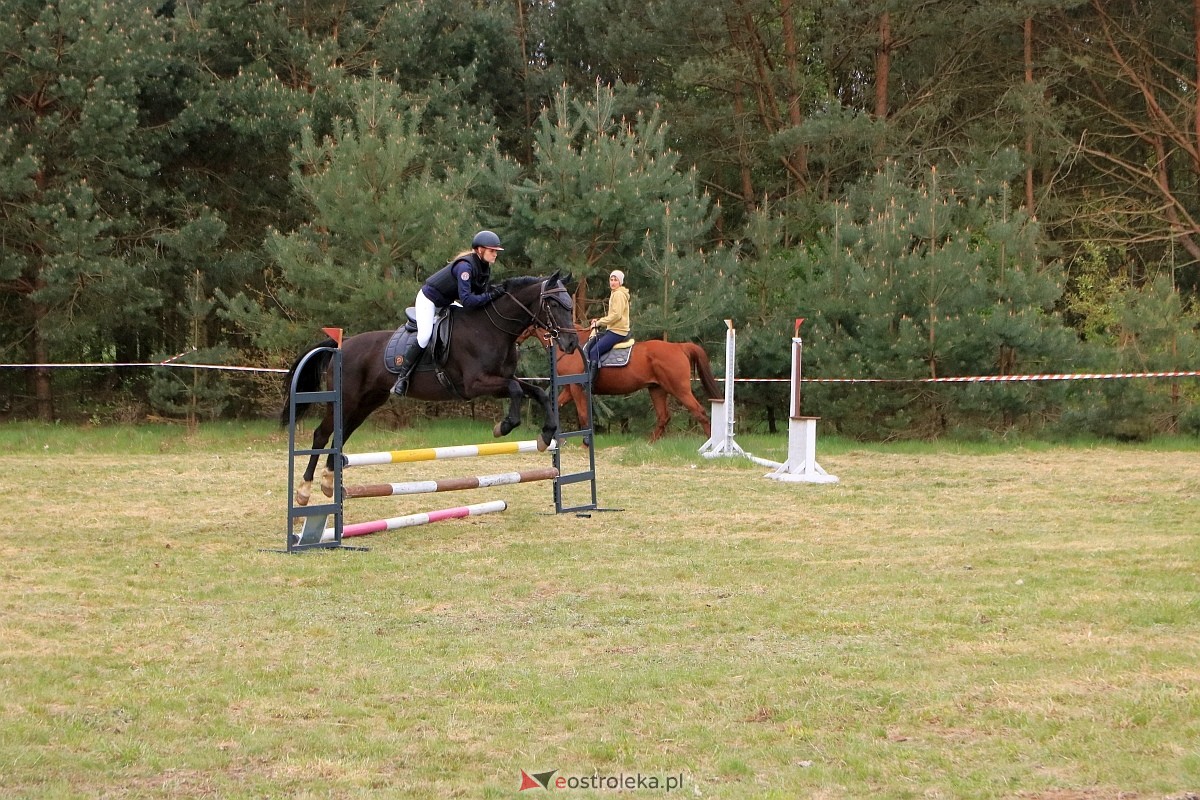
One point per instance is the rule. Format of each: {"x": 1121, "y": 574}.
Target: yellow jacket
{"x": 617, "y": 318}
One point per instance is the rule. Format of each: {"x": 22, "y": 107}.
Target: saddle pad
{"x": 440, "y": 342}
{"x": 395, "y": 348}
{"x": 619, "y": 355}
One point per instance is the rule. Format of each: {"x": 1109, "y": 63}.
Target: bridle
{"x": 541, "y": 319}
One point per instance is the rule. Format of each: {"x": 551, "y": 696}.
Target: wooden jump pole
{"x": 451, "y": 484}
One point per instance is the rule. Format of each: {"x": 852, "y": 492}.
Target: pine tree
{"x": 383, "y": 216}
{"x": 607, "y": 193}
{"x": 937, "y": 280}
{"x": 74, "y": 169}
{"x": 193, "y": 393}
{"x": 1145, "y": 328}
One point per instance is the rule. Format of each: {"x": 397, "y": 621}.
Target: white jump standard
{"x": 721, "y": 442}
{"x": 801, "y": 465}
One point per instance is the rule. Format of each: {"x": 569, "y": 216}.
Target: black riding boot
{"x": 593, "y": 367}
{"x": 408, "y": 362}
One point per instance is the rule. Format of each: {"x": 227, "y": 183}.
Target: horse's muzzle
{"x": 568, "y": 341}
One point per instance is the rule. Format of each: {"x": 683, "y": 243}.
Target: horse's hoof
{"x": 302, "y": 496}
{"x": 542, "y": 444}
{"x": 497, "y": 431}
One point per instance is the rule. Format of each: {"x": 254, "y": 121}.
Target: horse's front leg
{"x": 517, "y": 391}
{"x": 516, "y": 396}
{"x": 549, "y": 415}
{"x": 327, "y": 477}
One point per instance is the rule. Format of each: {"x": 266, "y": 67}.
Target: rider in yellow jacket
{"x": 615, "y": 323}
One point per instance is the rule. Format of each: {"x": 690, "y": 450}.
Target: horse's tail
{"x": 307, "y": 380}
{"x": 699, "y": 359}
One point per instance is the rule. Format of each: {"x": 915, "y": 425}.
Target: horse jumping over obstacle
{"x": 663, "y": 368}
{"x": 482, "y": 362}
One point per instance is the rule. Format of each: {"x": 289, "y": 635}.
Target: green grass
{"x": 975, "y": 621}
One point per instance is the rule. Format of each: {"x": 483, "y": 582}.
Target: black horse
{"x": 481, "y": 362}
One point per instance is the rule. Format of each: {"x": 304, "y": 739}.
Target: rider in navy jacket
{"x": 467, "y": 279}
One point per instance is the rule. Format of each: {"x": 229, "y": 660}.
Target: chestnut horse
{"x": 664, "y": 368}
{"x": 481, "y": 362}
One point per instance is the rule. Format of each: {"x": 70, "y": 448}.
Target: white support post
{"x": 801, "y": 464}
{"x": 720, "y": 442}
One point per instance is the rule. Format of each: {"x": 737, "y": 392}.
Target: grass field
{"x": 948, "y": 621}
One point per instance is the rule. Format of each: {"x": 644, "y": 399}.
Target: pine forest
{"x": 939, "y": 189}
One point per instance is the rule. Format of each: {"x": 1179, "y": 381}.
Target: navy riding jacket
{"x": 467, "y": 279}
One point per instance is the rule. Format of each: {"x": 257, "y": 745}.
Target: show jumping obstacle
{"x": 316, "y": 530}
{"x": 314, "y": 521}
{"x": 801, "y": 465}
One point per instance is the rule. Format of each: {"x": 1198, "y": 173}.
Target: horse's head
{"x": 555, "y": 313}
{"x": 547, "y": 308}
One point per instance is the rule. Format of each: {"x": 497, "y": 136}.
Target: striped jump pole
{"x": 438, "y": 453}
{"x": 411, "y": 520}
{"x": 451, "y": 484}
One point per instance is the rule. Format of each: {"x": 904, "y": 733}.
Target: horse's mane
{"x": 519, "y": 282}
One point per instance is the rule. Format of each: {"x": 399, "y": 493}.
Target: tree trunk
{"x": 43, "y": 386}
{"x": 799, "y": 156}
{"x": 522, "y": 37}
{"x": 1196, "y": 75}
{"x": 1162, "y": 177}
{"x": 581, "y": 302}
{"x": 739, "y": 108}
{"x": 883, "y": 55}
{"x": 1029, "y": 125}
{"x": 744, "y": 34}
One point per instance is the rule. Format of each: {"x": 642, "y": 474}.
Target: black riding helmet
{"x": 486, "y": 239}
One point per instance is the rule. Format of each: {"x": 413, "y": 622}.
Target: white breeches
{"x": 425, "y": 311}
